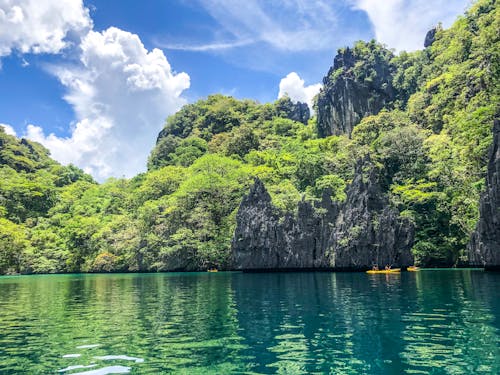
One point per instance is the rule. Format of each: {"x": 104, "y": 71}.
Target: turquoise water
{"x": 437, "y": 322}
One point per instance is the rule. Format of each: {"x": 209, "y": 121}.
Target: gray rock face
{"x": 430, "y": 37}
{"x": 263, "y": 240}
{"x": 357, "y": 234}
{"x": 368, "y": 231}
{"x": 346, "y": 98}
{"x": 484, "y": 247}
{"x": 300, "y": 113}
{"x": 294, "y": 111}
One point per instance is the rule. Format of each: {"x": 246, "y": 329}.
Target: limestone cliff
{"x": 357, "y": 85}
{"x": 368, "y": 231}
{"x": 484, "y": 247}
{"x": 263, "y": 240}
{"x": 356, "y": 234}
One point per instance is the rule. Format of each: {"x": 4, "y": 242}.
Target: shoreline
{"x": 255, "y": 271}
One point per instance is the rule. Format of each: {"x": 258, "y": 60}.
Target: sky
{"x": 94, "y": 80}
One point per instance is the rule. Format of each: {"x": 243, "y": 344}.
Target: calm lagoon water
{"x": 437, "y": 322}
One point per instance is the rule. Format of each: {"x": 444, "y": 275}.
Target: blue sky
{"x": 93, "y": 81}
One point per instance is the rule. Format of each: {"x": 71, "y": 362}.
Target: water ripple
{"x": 429, "y": 322}
{"x": 119, "y": 357}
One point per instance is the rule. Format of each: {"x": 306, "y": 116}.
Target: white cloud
{"x": 293, "y": 86}
{"x": 40, "y": 26}
{"x": 291, "y": 25}
{"x": 216, "y": 46}
{"x": 8, "y": 129}
{"x": 121, "y": 94}
{"x": 402, "y": 24}
{"x": 314, "y": 25}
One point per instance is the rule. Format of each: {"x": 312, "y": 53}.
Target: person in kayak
{"x": 387, "y": 267}
{"x": 375, "y": 267}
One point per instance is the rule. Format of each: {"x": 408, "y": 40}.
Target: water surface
{"x": 437, "y": 322}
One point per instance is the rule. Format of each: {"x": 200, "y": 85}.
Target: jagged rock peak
{"x": 258, "y": 196}
{"x": 484, "y": 246}
{"x": 352, "y": 91}
{"x": 263, "y": 240}
{"x": 258, "y": 191}
{"x": 356, "y": 234}
{"x": 368, "y": 231}
{"x": 254, "y": 241}
{"x": 344, "y": 59}
{"x": 430, "y": 37}
{"x": 296, "y": 111}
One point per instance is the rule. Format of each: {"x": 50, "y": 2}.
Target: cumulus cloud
{"x": 402, "y": 24}
{"x": 293, "y": 86}
{"x": 40, "y": 26}
{"x": 121, "y": 94}
{"x": 8, "y": 129}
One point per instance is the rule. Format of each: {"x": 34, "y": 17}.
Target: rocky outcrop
{"x": 356, "y": 86}
{"x": 368, "y": 230}
{"x": 356, "y": 234}
{"x": 255, "y": 241}
{"x": 430, "y": 37}
{"x": 300, "y": 112}
{"x": 263, "y": 240}
{"x": 484, "y": 247}
{"x": 297, "y": 111}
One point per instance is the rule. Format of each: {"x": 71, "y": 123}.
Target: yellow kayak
{"x": 413, "y": 269}
{"x": 213, "y": 270}
{"x": 392, "y": 270}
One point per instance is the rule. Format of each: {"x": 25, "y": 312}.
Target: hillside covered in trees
{"x": 423, "y": 119}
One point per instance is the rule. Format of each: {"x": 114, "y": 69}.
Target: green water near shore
{"x": 438, "y": 322}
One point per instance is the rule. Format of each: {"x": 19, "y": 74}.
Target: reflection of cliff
{"x": 427, "y": 322}
{"x": 317, "y": 322}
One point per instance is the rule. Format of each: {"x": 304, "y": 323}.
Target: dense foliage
{"x": 430, "y": 143}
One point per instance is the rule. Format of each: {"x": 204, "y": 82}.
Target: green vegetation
{"x": 430, "y": 143}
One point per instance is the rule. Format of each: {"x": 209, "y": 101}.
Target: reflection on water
{"x": 453, "y": 331}
{"x": 122, "y": 357}
{"x": 90, "y": 346}
{"x": 440, "y": 322}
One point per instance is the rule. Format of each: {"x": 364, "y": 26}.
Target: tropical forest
{"x": 425, "y": 123}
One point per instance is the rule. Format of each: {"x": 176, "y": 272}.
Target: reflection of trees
{"x": 194, "y": 325}
{"x": 190, "y": 321}
{"x": 440, "y": 322}
{"x": 450, "y": 331}
{"x": 174, "y": 322}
